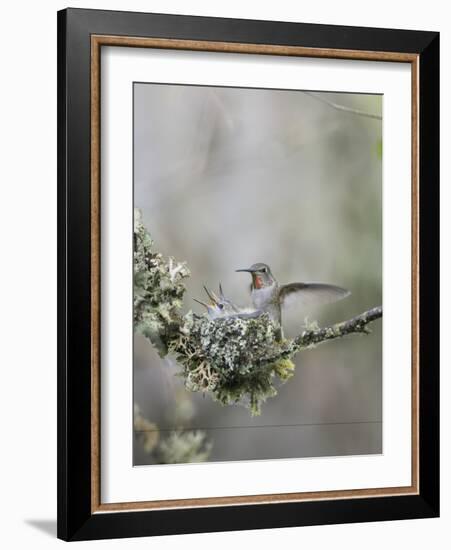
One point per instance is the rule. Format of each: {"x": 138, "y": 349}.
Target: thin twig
{"x": 358, "y": 324}
{"x": 339, "y": 107}
{"x": 310, "y": 338}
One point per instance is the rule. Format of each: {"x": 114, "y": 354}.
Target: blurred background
{"x": 226, "y": 177}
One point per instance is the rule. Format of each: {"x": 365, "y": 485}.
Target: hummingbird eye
{"x": 221, "y": 306}
{"x": 264, "y": 270}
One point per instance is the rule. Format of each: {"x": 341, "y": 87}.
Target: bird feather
{"x": 311, "y": 294}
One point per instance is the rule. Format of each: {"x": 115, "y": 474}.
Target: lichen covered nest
{"x": 231, "y": 359}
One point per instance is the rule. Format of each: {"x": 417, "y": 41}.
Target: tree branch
{"x": 355, "y": 325}
{"x": 312, "y": 337}
{"x": 358, "y": 324}
{"x": 339, "y": 107}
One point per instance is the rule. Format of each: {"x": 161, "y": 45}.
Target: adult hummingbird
{"x": 269, "y": 296}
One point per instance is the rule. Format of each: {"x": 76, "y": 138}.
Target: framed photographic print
{"x": 248, "y": 274}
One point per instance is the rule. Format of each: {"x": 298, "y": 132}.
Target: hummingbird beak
{"x": 221, "y": 293}
{"x": 201, "y": 303}
{"x": 212, "y": 296}
{"x": 245, "y": 270}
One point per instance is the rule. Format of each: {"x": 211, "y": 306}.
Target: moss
{"x": 182, "y": 447}
{"x": 158, "y": 288}
{"x": 284, "y": 368}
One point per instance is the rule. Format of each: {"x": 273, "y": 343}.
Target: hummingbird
{"x": 222, "y": 307}
{"x": 269, "y": 296}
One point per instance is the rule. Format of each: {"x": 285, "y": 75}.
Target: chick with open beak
{"x": 218, "y": 306}
{"x": 221, "y": 307}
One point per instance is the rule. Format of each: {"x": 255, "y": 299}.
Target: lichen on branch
{"x": 178, "y": 446}
{"x": 158, "y": 290}
{"x": 235, "y": 360}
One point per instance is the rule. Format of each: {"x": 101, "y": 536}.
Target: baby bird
{"x": 221, "y": 307}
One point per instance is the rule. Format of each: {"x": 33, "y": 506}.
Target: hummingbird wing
{"x": 311, "y": 294}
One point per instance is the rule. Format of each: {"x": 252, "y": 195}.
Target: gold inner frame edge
{"x": 97, "y": 41}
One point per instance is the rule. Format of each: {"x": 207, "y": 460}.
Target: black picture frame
{"x": 76, "y": 519}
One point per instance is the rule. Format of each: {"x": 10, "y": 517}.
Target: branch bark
{"x": 312, "y": 337}
{"x": 358, "y": 324}
{"x": 344, "y": 108}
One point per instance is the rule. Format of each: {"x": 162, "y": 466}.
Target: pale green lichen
{"x": 228, "y": 358}
{"x": 183, "y": 447}
{"x": 158, "y": 290}
{"x": 310, "y": 325}
{"x": 180, "y": 446}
